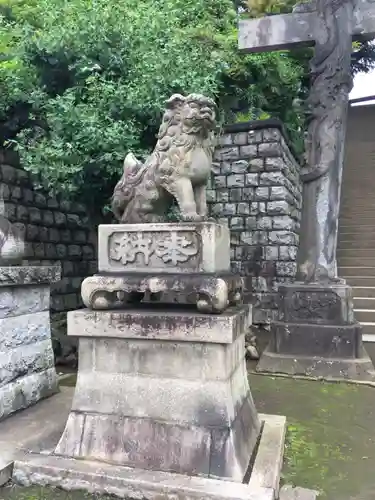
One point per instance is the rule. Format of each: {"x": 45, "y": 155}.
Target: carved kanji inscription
{"x": 151, "y": 248}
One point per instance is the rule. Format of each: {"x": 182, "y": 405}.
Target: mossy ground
{"x": 330, "y": 443}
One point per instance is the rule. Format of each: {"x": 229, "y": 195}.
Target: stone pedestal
{"x": 316, "y": 335}
{"x": 163, "y": 391}
{"x": 27, "y": 369}
{"x": 162, "y": 396}
{"x": 189, "y": 262}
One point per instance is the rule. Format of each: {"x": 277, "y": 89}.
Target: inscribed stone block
{"x": 174, "y": 248}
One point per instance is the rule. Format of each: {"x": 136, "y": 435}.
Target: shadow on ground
{"x": 330, "y": 441}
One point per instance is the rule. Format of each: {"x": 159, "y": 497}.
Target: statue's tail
{"x": 124, "y": 192}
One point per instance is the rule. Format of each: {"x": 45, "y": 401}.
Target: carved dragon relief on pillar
{"x": 331, "y": 82}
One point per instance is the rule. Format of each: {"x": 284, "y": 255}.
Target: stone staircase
{"x": 356, "y": 242}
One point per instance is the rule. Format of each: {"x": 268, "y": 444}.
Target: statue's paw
{"x": 207, "y": 218}
{"x": 191, "y": 217}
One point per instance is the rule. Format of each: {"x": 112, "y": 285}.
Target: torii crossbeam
{"x": 287, "y": 31}
{"x": 331, "y": 26}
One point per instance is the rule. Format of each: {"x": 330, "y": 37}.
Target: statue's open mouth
{"x": 206, "y": 113}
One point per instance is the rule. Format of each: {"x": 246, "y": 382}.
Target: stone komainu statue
{"x": 178, "y": 168}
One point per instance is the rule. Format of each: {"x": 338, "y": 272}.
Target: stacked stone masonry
{"x": 256, "y": 189}
{"x": 27, "y": 371}
{"x": 55, "y": 231}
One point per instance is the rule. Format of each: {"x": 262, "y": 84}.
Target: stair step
{"x": 364, "y": 302}
{"x": 362, "y": 292}
{"x": 362, "y": 241}
{"x": 355, "y": 260}
{"x": 359, "y": 253}
{"x": 360, "y": 281}
{"x": 368, "y": 328}
{"x": 347, "y": 218}
{"x": 357, "y": 229}
{"x": 346, "y": 272}
{"x": 364, "y": 315}
{"x": 366, "y": 212}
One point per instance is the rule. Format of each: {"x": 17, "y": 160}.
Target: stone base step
{"x": 347, "y": 271}
{"x": 364, "y": 315}
{"x": 105, "y": 478}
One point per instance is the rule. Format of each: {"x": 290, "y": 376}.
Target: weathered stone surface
{"x": 159, "y": 325}
{"x": 178, "y": 169}
{"x": 303, "y": 339}
{"x": 209, "y": 293}
{"x": 29, "y": 275}
{"x": 177, "y": 382}
{"x": 269, "y": 459}
{"x": 23, "y": 330}
{"x": 319, "y": 367}
{"x": 125, "y": 482}
{"x": 330, "y": 26}
{"x": 227, "y": 458}
{"x": 15, "y": 301}
{"x": 204, "y": 403}
{"x": 177, "y": 248}
{"x": 183, "y": 360}
{"x": 27, "y": 391}
{"x": 316, "y": 329}
{"x": 264, "y": 207}
{"x": 24, "y": 360}
{"x": 6, "y": 470}
{"x": 330, "y": 305}
{"x": 145, "y": 443}
{"x": 288, "y": 492}
{"x": 288, "y": 31}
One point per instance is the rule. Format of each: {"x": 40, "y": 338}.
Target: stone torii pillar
{"x": 316, "y": 333}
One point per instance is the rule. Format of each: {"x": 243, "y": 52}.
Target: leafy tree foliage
{"x": 83, "y": 82}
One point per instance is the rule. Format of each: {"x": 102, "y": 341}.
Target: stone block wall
{"x": 55, "y": 231}
{"x": 256, "y": 189}
{"x": 27, "y": 371}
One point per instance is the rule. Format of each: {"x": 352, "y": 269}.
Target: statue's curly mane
{"x": 175, "y": 138}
